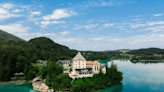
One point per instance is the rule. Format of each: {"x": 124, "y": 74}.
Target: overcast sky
{"x": 87, "y": 24}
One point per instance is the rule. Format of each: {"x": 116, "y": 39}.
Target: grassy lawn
{"x": 124, "y": 51}
{"x": 40, "y": 67}
{"x": 67, "y": 68}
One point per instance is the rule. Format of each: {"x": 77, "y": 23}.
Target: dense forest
{"x": 6, "y": 36}
{"x": 17, "y": 56}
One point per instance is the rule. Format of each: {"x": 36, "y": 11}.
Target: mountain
{"x": 146, "y": 51}
{"x": 7, "y": 36}
{"x": 46, "y": 48}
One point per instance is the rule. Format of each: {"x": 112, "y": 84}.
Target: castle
{"x": 82, "y": 68}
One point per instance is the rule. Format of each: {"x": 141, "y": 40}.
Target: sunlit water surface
{"x": 13, "y": 87}
{"x": 139, "y": 77}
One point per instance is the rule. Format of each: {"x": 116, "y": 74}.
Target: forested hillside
{"x": 17, "y": 56}
{"x": 6, "y": 36}
{"x": 146, "y": 51}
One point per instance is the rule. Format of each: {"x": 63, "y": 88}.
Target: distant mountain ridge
{"x": 7, "y": 36}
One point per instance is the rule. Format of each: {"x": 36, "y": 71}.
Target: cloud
{"x": 45, "y": 23}
{"x": 155, "y": 29}
{"x": 58, "y": 14}
{"x": 16, "y": 10}
{"x": 98, "y": 38}
{"x": 101, "y": 3}
{"x": 89, "y": 26}
{"x": 138, "y": 25}
{"x": 7, "y": 5}
{"x": 157, "y": 14}
{"x": 35, "y": 13}
{"x": 155, "y": 23}
{"x": 77, "y": 27}
{"x": 109, "y": 25}
{"x": 14, "y": 28}
{"x": 65, "y": 32}
{"x": 133, "y": 25}
{"x": 5, "y": 12}
{"x": 135, "y": 19}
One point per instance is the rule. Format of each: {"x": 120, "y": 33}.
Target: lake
{"x": 13, "y": 87}
{"x": 139, "y": 77}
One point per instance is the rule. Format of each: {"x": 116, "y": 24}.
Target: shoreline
{"x": 18, "y": 82}
{"x": 151, "y": 60}
{"x": 147, "y": 60}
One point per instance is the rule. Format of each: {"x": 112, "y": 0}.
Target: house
{"x": 39, "y": 85}
{"x": 42, "y": 62}
{"x": 65, "y": 62}
{"x": 82, "y": 68}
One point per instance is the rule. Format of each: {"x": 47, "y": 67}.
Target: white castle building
{"x": 82, "y": 68}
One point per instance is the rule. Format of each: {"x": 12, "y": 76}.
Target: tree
{"x": 47, "y": 79}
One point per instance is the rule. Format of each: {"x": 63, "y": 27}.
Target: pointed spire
{"x": 78, "y": 57}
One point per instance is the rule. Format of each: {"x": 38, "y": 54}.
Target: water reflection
{"x": 117, "y": 88}
{"x": 141, "y": 77}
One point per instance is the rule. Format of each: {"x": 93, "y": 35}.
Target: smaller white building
{"x": 65, "y": 62}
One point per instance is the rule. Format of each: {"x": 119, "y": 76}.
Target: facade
{"x": 65, "y": 62}
{"x": 39, "y": 85}
{"x": 95, "y": 65}
{"x": 82, "y": 68}
{"x": 41, "y": 62}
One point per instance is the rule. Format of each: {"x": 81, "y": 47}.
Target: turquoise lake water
{"x": 138, "y": 77}
{"x": 13, "y": 87}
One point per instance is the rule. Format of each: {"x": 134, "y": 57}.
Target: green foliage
{"x": 47, "y": 79}
{"x": 148, "y": 51}
{"x": 6, "y": 36}
{"x": 54, "y": 77}
{"x": 99, "y": 81}
{"x": 17, "y": 56}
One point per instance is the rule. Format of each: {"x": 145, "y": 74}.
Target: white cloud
{"x": 157, "y": 14}
{"x": 35, "y": 13}
{"x": 137, "y": 25}
{"x": 155, "y": 29}
{"x": 58, "y": 14}
{"x": 65, "y": 32}
{"x": 50, "y": 34}
{"x": 109, "y": 25}
{"x": 14, "y": 28}
{"x": 101, "y": 3}
{"x": 77, "y": 27}
{"x": 45, "y": 23}
{"x": 97, "y": 38}
{"x": 16, "y": 10}
{"x": 155, "y": 23}
{"x": 5, "y": 13}
{"x": 90, "y": 26}
{"x": 7, "y": 5}
{"x": 135, "y": 19}
{"x": 133, "y": 25}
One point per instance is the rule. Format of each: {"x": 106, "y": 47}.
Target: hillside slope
{"x": 7, "y": 36}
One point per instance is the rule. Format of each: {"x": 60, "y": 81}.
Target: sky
{"x": 95, "y": 25}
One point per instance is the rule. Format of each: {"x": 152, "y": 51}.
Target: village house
{"x": 39, "y": 85}
{"x": 82, "y": 68}
{"x": 65, "y": 62}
